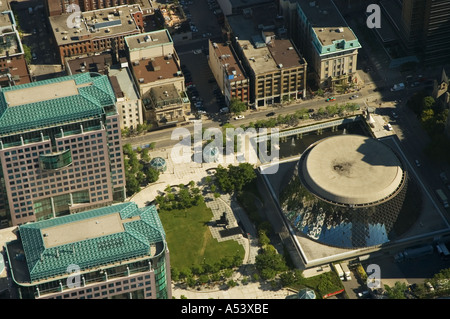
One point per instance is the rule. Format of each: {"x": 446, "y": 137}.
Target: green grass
{"x": 190, "y": 241}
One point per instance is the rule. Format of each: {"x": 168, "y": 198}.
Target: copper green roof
{"x": 54, "y": 101}
{"x": 89, "y": 239}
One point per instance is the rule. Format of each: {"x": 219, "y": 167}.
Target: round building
{"x": 350, "y": 191}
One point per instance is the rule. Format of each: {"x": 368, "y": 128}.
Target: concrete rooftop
{"x": 352, "y": 169}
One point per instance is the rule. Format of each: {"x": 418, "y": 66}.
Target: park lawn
{"x": 190, "y": 241}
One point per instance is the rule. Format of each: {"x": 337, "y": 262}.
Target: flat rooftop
{"x": 227, "y": 57}
{"x": 38, "y": 93}
{"x": 352, "y": 170}
{"x": 326, "y": 21}
{"x": 83, "y": 230}
{"x": 100, "y": 23}
{"x": 149, "y": 39}
{"x": 285, "y": 54}
{"x": 154, "y": 69}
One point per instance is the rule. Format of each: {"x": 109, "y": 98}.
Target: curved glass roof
{"x": 159, "y": 163}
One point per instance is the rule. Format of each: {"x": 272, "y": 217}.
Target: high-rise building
{"x": 60, "y": 148}
{"x": 119, "y": 251}
{"x": 425, "y": 27}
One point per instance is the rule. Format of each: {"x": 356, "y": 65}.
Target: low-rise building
{"x": 97, "y": 31}
{"x": 128, "y": 101}
{"x": 155, "y": 66}
{"x": 276, "y": 68}
{"x": 13, "y": 66}
{"x": 228, "y": 72}
{"x": 119, "y": 251}
{"x": 321, "y": 33}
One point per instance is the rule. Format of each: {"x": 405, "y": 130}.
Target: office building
{"x": 228, "y": 72}
{"x": 155, "y": 66}
{"x": 58, "y": 7}
{"x": 13, "y": 66}
{"x": 424, "y": 28}
{"x": 114, "y": 252}
{"x": 276, "y": 69}
{"x": 60, "y": 148}
{"x": 98, "y": 31}
{"x": 323, "y": 36}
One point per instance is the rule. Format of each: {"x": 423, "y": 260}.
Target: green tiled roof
{"x": 138, "y": 235}
{"x": 89, "y": 102}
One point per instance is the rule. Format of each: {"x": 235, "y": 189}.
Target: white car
{"x": 239, "y": 117}
{"x": 198, "y": 51}
{"x": 389, "y": 127}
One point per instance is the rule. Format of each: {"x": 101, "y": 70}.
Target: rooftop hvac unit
{"x": 141, "y": 80}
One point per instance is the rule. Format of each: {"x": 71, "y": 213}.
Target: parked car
{"x": 417, "y": 163}
{"x": 394, "y": 115}
{"x": 239, "y": 117}
{"x": 330, "y": 99}
{"x": 270, "y": 114}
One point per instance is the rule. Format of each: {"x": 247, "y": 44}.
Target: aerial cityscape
{"x": 224, "y": 149}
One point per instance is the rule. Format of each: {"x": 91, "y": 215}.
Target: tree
{"x": 237, "y": 107}
{"x": 234, "y": 178}
{"x": 396, "y": 292}
{"x": 269, "y": 264}
{"x": 152, "y": 175}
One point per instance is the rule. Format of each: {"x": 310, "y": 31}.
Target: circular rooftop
{"x": 351, "y": 170}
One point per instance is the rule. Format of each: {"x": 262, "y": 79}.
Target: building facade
{"x": 277, "y": 70}
{"x": 115, "y": 252}
{"x": 98, "y": 31}
{"x": 228, "y": 72}
{"x": 323, "y": 36}
{"x": 60, "y": 148}
{"x": 424, "y": 29}
{"x": 58, "y": 7}
{"x": 13, "y": 66}
{"x": 155, "y": 66}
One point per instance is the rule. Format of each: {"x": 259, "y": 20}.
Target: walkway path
{"x": 183, "y": 173}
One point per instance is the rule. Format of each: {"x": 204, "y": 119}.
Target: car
{"x": 354, "y": 97}
{"x": 201, "y": 111}
{"x": 198, "y": 51}
{"x": 330, "y": 99}
{"x": 417, "y": 163}
{"x": 389, "y": 127}
{"x": 239, "y": 117}
{"x": 394, "y": 115}
{"x": 429, "y": 286}
{"x": 34, "y": 56}
{"x": 363, "y": 293}
{"x": 311, "y": 110}
{"x": 270, "y": 114}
